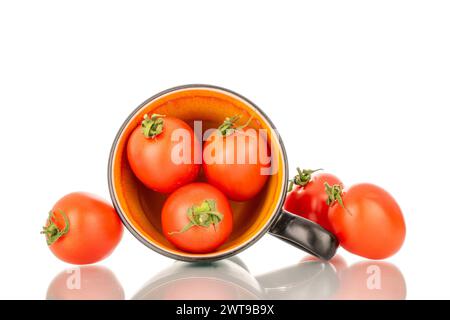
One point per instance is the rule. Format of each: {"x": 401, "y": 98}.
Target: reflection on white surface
{"x": 309, "y": 279}
{"x": 231, "y": 280}
{"x": 372, "y": 280}
{"x": 85, "y": 283}
{"x": 222, "y": 280}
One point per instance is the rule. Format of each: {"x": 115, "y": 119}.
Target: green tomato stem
{"x": 51, "y": 230}
{"x": 202, "y": 215}
{"x": 335, "y": 195}
{"x": 302, "y": 178}
{"x": 228, "y": 127}
{"x": 153, "y": 126}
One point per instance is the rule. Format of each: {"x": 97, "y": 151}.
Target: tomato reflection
{"x": 372, "y": 280}
{"x": 85, "y": 283}
{"x": 367, "y": 280}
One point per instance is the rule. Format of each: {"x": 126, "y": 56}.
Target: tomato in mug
{"x": 307, "y": 197}
{"x": 151, "y": 150}
{"x": 82, "y": 228}
{"x": 232, "y": 160}
{"x": 197, "y": 218}
{"x": 367, "y": 220}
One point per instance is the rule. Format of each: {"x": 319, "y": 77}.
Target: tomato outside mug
{"x": 140, "y": 208}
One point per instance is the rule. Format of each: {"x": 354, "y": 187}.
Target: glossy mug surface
{"x": 140, "y": 207}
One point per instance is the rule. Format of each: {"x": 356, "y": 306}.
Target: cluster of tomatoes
{"x": 197, "y": 216}
{"x": 366, "y": 219}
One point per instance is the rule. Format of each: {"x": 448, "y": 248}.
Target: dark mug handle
{"x": 305, "y": 234}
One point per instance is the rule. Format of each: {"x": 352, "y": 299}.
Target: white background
{"x": 360, "y": 88}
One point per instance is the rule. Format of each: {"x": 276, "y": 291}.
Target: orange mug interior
{"x": 140, "y": 207}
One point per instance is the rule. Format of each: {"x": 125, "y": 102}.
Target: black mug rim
{"x": 277, "y": 212}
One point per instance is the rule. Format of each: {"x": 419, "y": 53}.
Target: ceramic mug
{"x": 140, "y": 208}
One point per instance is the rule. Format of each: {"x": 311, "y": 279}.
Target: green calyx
{"x": 228, "y": 127}
{"x": 51, "y": 230}
{"x": 302, "y": 178}
{"x": 334, "y": 194}
{"x": 152, "y": 126}
{"x": 202, "y": 215}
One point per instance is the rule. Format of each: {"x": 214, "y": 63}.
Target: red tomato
{"x": 197, "y": 218}
{"x": 82, "y": 229}
{"x": 151, "y": 150}
{"x": 367, "y": 221}
{"x": 232, "y": 161}
{"x": 85, "y": 283}
{"x": 308, "y": 199}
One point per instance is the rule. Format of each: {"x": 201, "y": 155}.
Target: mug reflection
{"x": 85, "y": 283}
{"x": 222, "y": 280}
